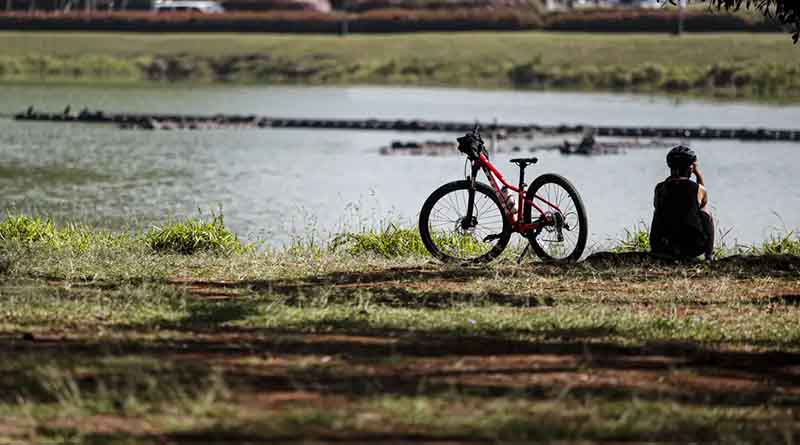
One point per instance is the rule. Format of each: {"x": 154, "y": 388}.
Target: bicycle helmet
{"x": 681, "y": 157}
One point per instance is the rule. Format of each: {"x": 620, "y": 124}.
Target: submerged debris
{"x": 499, "y": 132}
{"x": 444, "y": 148}
{"x": 426, "y": 148}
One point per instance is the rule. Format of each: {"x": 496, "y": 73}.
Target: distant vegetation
{"x": 768, "y": 80}
{"x": 785, "y": 11}
{"x": 751, "y": 66}
{"x": 375, "y": 21}
{"x": 658, "y": 20}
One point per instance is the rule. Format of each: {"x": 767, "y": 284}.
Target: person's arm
{"x": 698, "y": 174}
{"x": 702, "y": 195}
{"x": 655, "y": 196}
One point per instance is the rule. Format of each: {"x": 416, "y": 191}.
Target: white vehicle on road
{"x": 199, "y": 6}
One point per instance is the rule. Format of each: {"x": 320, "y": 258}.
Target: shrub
{"x": 743, "y": 78}
{"x": 529, "y": 73}
{"x": 721, "y": 74}
{"x": 105, "y": 66}
{"x": 648, "y": 74}
{"x": 628, "y": 20}
{"x": 382, "y": 20}
{"x": 10, "y": 66}
{"x": 678, "y": 80}
{"x": 194, "y": 235}
{"x": 617, "y": 77}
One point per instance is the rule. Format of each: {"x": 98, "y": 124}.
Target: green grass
{"x": 487, "y": 47}
{"x": 636, "y": 239}
{"x": 788, "y": 244}
{"x": 735, "y": 64}
{"x": 30, "y": 231}
{"x": 194, "y": 235}
{"x": 372, "y": 340}
{"x": 390, "y": 242}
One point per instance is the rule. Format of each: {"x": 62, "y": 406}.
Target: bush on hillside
{"x": 762, "y": 79}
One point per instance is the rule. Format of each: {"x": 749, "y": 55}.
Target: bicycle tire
{"x": 580, "y": 213}
{"x": 438, "y": 248}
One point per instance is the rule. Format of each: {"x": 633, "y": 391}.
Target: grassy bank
{"x": 752, "y": 66}
{"x": 109, "y": 339}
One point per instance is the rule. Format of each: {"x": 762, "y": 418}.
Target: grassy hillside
{"x": 745, "y": 65}
{"x": 445, "y": 48}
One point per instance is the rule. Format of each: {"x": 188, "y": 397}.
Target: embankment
{"x": 752, "y": 66}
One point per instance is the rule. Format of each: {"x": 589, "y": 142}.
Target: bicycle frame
{"x": 517, "y": 224}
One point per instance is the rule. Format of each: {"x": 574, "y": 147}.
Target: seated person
{"x": 682, "y": 228}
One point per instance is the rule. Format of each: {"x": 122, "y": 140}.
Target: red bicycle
{"x": 469, "y": 221}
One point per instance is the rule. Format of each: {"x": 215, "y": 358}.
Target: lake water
{"x": 274, "y": 184}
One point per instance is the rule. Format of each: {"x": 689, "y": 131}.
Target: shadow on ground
{"x": 351, "y": 359}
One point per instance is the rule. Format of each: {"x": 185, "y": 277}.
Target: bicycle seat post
{"x": 522, "y": 178}
{"x": 523, "y": 162}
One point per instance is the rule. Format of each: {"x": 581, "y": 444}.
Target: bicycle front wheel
{"x": 451, "y": 237}
{"x": 563, "y": 217}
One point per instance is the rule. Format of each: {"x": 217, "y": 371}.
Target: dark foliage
{"x": 368, "y": 5}
{"x": 653, "y": 21}
{"x": 388, "y": 20}
{"x": 786, "y": 12}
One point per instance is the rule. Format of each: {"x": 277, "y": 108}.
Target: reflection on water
{"x": 275, "y": 183}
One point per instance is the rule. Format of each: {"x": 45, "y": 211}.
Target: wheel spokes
{"x": 559, "y": 237}
{"x": 462, "y": 239}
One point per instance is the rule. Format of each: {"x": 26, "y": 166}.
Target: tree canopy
{"x": 786, "y": 12}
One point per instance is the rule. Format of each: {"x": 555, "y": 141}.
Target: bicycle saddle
{"x": 522, "y": 162}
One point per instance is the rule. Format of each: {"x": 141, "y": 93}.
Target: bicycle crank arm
{"x": 492, "y": 237}
{"x": 524, "y": 252}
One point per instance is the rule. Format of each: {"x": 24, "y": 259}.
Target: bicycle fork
{"x": 470, "y": 220}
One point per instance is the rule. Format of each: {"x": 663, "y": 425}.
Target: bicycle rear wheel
{"x": 450, "y": 237}
{"x": 565, "y": 226}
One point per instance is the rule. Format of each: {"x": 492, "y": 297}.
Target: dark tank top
{"x": 677, "y": 229}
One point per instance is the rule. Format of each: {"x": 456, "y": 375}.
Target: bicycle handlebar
{"x": 471, "y": 144}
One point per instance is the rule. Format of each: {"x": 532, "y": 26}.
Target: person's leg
{"x": 708, "y": 228}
